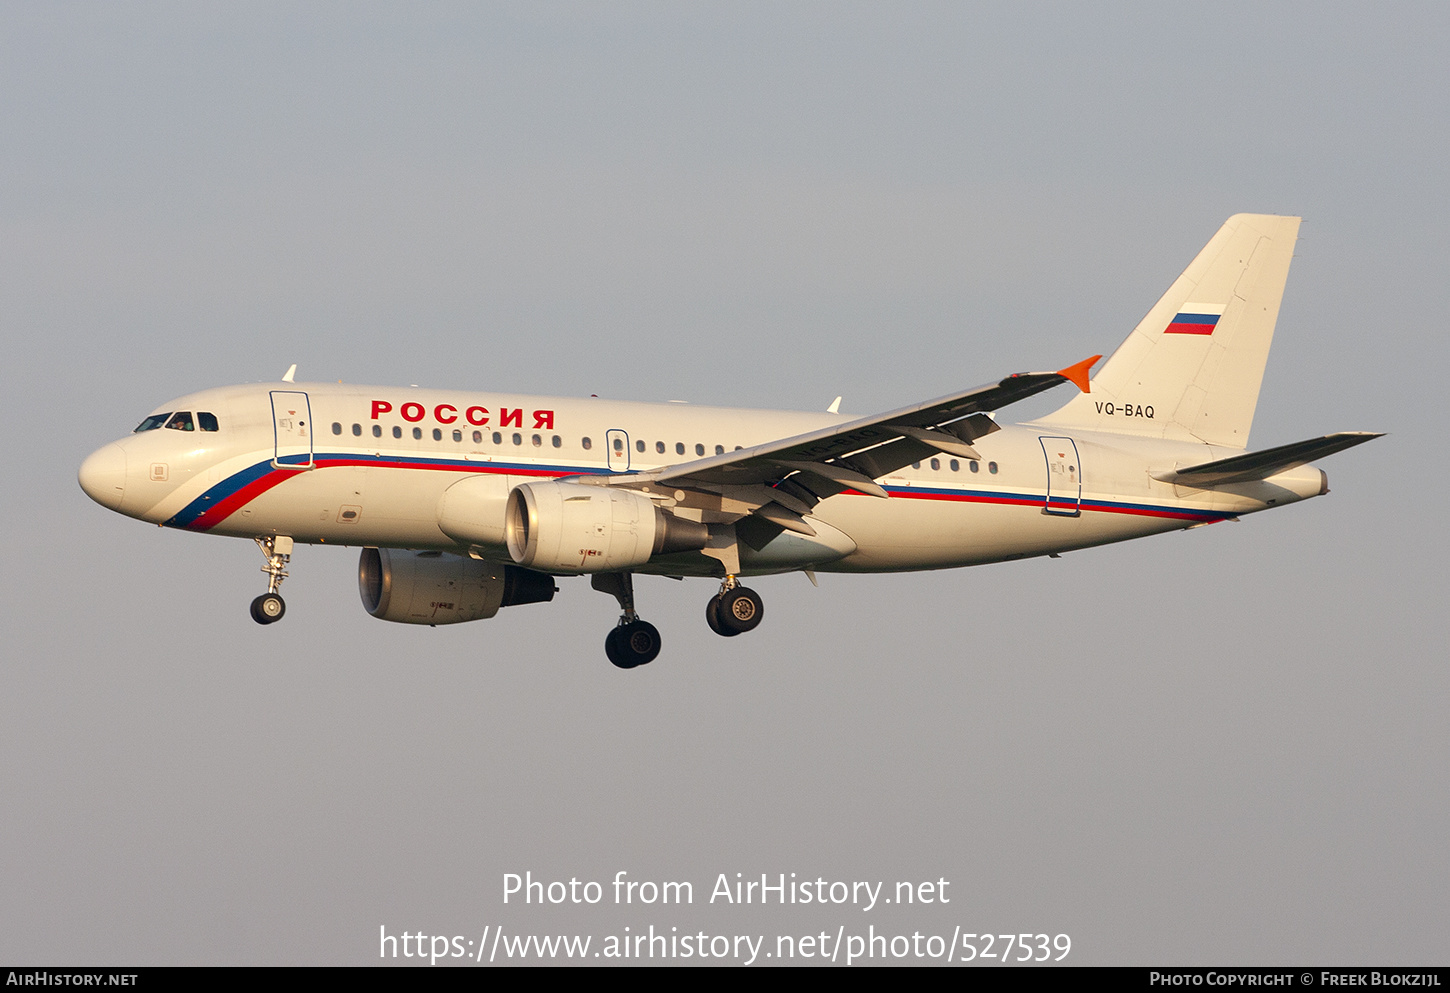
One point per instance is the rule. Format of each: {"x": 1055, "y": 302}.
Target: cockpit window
{"x": 152, "y": 423}
{"x": 181, "y": 421}
{"x": 206, "y": 420}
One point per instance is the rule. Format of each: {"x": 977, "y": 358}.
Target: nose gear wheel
{"x": 269, "y": 607}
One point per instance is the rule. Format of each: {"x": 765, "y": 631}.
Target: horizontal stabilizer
{"x": 1262, "y": 465}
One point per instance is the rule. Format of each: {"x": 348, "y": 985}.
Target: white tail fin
{"x": 1192, "y": 368}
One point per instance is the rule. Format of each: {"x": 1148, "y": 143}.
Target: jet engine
{"x": 439, "y": 588}
{"x": 576, "y": 528}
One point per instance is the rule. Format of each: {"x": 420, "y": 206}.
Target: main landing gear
{"x": 633, "y": 642}
{"x": 734, "y": 610}
{"x": 269, "y": 607}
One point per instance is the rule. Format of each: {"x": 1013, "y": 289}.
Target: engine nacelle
{"x": 439, "y": 588}
{"x": 576, "y": 528}
{"x": 472, "y": 510}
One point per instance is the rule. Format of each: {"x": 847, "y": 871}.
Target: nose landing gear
{"x": 269, "y": 607}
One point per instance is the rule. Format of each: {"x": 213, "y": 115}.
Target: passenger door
{"x": 292, "y": 425}
{"x": 1064, "y": 477}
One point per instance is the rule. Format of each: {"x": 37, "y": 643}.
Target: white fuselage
{"x": 368, "y": 466}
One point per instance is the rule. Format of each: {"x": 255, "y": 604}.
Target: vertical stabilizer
{"x": 1192, "y": 368}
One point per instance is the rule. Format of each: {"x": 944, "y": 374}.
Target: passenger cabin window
{"x": 397, "y": 431}
{"x": 152, "y": 423}
{"x": 639, "y": 445}
{"x": 699, "y": 449}
{"x": 336, "y": 428}
{"x": 660, "y": 447}
{"x": 377, "y": 430}
{"x": 357, "y": 430}
{"x": 181, "y": 421}
{"x": 206, "y": 421}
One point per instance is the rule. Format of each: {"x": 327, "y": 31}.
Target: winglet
{"x": 291, "y": 371}
{"x": 1077, "y": 374}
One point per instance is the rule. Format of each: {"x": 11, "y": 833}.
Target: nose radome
{"x": 103, "y": 476}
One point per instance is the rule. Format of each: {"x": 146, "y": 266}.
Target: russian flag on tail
{"x": 1195, "y": 318}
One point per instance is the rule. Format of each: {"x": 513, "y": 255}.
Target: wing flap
{"x": 839, "y": 477}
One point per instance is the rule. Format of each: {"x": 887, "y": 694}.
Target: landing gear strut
{"x": 633, "y": 642}
{"x": 734, "y": 610}
{"x": 269, "y": 607}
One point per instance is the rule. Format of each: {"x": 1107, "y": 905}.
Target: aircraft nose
{"x": 103, "y": 476}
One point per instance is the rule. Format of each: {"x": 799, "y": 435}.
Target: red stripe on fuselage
{"x": 224, "y": 508}
{"x": 1207, "y": 515}
{"x": 229, "y": 505}
{"x": 972, "y": 498}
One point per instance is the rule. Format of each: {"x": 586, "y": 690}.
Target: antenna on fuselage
{"x": 291, "y": 371}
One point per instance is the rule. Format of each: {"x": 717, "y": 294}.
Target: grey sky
{"x": 1226, "y": 745}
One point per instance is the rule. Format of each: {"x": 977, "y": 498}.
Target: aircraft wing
{"x": 781, "y": 481}
{"x": 1262, "y": 465}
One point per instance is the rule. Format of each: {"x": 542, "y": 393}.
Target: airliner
{"x": 465, "y": 503}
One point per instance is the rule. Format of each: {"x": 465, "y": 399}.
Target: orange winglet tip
{"x": 1077, "y": 374}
